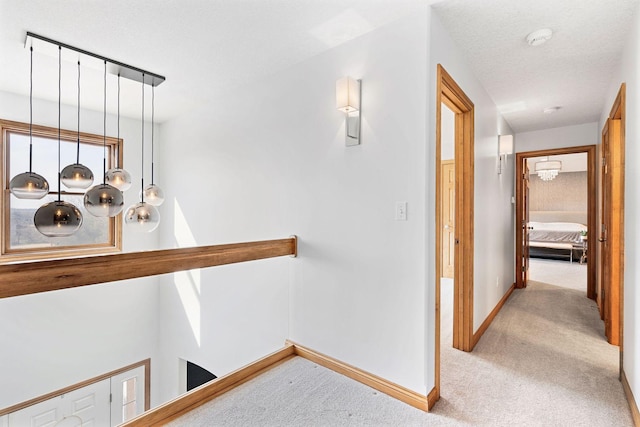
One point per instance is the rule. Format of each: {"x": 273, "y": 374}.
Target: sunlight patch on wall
{"x": 187, "y": 283}
{"x": 340, "y": 29}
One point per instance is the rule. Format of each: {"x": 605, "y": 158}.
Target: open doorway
{"x": 555, "y": 210}
{"x": 454, "y": 222}
{"x": 558, "y": 220}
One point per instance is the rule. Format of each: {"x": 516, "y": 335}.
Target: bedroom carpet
{"x": 543, "y": 362}
{"x": 559, "y": 273}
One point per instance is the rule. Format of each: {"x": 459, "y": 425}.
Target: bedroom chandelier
{"x": 60, "y": 218}
{"x": 547, "y": 170}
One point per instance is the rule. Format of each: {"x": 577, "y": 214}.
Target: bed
{"x": 557, "y": 235}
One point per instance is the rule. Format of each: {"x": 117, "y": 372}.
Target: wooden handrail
{"x": 43, "y": 276}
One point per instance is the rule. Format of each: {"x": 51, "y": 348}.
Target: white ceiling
{"x": 573, "y": 70}
{"x": 200, "y": 46}
{"x": 206, "y": 46}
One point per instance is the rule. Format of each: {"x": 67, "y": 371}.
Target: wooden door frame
{"x": 618, "y": 112}
{"x": 449, "y": 93}
{"x": 592, "y": 202}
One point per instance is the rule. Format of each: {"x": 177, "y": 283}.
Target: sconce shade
{"x": 104, "y": 200}
{"x": 153, "y": 195}
{"x": 348, "y": 95}
{"x": 505, "y": 144}
{"x": 29, "y": 185}
{"x": 118, "y": 178}
{"x": 76, "y": 176}
{"x": 143, "y": 217}
{"x": 57, "y": 219}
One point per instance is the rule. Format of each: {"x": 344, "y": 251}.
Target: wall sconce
{"x": 505, "y": 147}
{"x": 348, "y": 97}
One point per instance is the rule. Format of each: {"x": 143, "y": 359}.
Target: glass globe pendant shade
{"x": 119, "y": 178}
{"x": 29, "y": 185}
{"x": 153, "y": 195}
{"x": 104, "y": 200}
{"x": 143, "y": 217}
{"x": 76, "y": 176}
{"x": 57, "y": 219}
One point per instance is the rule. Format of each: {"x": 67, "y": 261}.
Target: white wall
{"x": 272, "y": 161}
{"x": 628, "y": 72}
{"x": 56, "y": 339}
{"x": 493, "y": 215}
{"x": 567, "y": 136}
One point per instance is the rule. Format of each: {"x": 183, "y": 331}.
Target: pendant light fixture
{"x": 142, "y": 216}
{"x": 104, "y": 200}
{"x": 77, "y": 175}
{"x": 152, "y": 193}
{"x": 118, "y": 177}
{"x": 29, "y": 185}
{"x": 58, "y": 218}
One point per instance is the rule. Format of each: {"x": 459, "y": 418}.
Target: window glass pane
{"x": 45, "y": 157}
{"x": 129, "y": 390}
{"x": 24, "y": 234}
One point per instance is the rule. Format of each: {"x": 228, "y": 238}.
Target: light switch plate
{"x": 401, "y": 211}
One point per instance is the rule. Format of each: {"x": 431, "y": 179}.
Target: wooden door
{"x": 525, "y": 226}
{"x": 522, "y": 222}
{"x": 447, "y": 205}
{"x": 611, "y": 230}
{"x": 87, "y": 406}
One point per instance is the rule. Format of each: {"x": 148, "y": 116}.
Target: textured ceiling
{"x": 572, "y": 70}
{"x": 201, "y": 46}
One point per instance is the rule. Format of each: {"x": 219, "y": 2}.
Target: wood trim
{"x": 43, "y": 276}
{"x": 206, "y": 392}
{"x": 633, "y": 405}
{"x": 483, "y": 328}
{"x": 387, "y": 387}
{"x": 432, "y": 398}
{"x": 147, "y": 375}
{"x": 450, "y": 93}
{"x": 592, "y": 208}
{"x": 114, "y": 243}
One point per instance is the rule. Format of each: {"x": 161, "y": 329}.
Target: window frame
{"x": 114, "y": 150}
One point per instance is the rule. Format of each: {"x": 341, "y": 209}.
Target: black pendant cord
{"x": 118, "y": 154}
{"x": 59, "y": 117}
{"x": 31, "y": 114}
{"x": 142, "y": 167}
{"x": 153, "y": 108}
{"x": 78, "y": 147}
{"x": 104, "y": 127}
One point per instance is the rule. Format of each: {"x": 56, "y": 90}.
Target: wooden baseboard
{"x": 198, "y": 396}
{"x": 396, "y": 391}
{"x": 482, "y": 329}
{"x": 635, "y": 414}
{"x": 433, "y": 397}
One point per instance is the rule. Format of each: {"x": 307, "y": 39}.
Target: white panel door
{"x": 86, "y": 407}
{"x": 4, "y": 420}
{"x": 127, "y": 390}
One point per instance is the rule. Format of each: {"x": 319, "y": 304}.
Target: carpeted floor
{"x": 559, "y": 273}
{"x": 543, "y": 362}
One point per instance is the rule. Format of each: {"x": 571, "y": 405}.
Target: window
{"x": 20, "y": 238}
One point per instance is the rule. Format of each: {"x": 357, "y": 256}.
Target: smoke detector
{"x": 538, "y": 37}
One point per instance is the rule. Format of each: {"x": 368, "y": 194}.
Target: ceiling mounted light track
{"x": 127, "y": 71}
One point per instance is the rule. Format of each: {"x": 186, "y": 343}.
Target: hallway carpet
{"x": 543, "y": 362}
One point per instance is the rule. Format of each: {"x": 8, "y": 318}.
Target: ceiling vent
{"x": 538, "y": 37}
